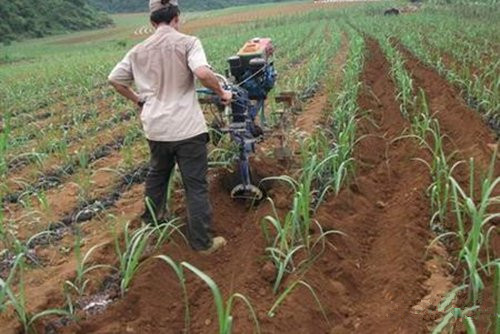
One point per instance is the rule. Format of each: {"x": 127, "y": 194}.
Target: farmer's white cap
{"x": 155, "y": 5}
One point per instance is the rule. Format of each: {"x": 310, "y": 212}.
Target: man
{"x": 164, "y": 68}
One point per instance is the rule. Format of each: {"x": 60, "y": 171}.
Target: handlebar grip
{"x": 212, "y": 99}
{"x": 205, "y": 91}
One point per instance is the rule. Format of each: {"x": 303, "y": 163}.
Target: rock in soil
{"x": 268, "y": 272}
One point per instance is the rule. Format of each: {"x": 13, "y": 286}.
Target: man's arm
{"x": 126, "y": 92}
{"x": 122, "y": 77}
{"x": 197, "y": 62}
{"x": 209, "y": 80}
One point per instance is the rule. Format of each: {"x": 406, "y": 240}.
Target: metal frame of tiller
{"x": 254, "y": 71}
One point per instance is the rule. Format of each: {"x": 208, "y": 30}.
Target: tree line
{"x": 28, "y": 18}
{"x": 129, "y": 6}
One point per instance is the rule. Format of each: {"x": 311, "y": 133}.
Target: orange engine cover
{"x": 262, "y": 47}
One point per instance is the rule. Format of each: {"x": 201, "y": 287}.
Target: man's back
{"x": 162, "y": 68}
{"x": 160, "y": 63}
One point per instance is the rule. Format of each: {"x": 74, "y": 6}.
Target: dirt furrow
{"x": 463, "y": 126}
{"x": 315, "y": 111}
{"x": 467, "y": 136}
{"x": 379, "y": 270}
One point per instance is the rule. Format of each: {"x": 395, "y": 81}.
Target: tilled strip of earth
{"x": 467, "y": 136}
{"x": 378, "y": 271}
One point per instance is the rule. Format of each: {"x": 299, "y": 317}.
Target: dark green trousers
{"x": 191, "y": 156}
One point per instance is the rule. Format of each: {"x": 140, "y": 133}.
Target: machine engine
{"x": 253, "y": 68}
{"x": 252, "y": 77}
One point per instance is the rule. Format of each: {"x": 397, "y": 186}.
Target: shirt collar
{"x": 164, "y": 28}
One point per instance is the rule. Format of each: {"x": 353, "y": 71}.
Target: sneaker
{"x": 217, "y": 243}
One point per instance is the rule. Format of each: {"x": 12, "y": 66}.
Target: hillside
{"x": 118, "y": 6}
{"x": 25, "y": 18}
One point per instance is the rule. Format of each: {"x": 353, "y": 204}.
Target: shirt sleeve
{"x": 122, "y": 73}
{"x": 196, "y": 56}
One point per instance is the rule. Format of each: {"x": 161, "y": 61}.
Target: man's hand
{"x": 141, "y": 104}
{"x": 128, "y": 93}
{"x": 226, "y": 97}
{"x": 209, "y": 80}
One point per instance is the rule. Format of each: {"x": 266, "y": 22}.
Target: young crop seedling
{"x": 4, "y": 143}
{"x": 80, "y": 283}
{"x": 272, "y": 312}
{"x": 8, "y": 282}
{"x": 441, "y": 171}
{"x": 224, "y": 152}
{"x": 473, "y": 232}
{"x": 473, "y": 220}
{"x": 403, "y": 80}
{"x": 14, "y": 246}
{"x": 224, "y": 309}
{"x": 449, "y": 322}
{"x": 129, "y": 257}
{"x": 179, "y": 271}
{"x": 18, "y": 301}
{"x": 283, "y": 247}
{"x": 136, "y": 243}
{"x": 43, "y": 201}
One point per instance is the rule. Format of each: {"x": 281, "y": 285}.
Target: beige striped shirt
{"x": 162, "y": 69}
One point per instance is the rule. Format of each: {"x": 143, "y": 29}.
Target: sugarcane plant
{"x": 79, "y": 284}
{"x": 4, "y": 143}
{"x": 403, "y": 80}
{"x": 135, "y": 243}
{"x": 298, "y": 283}
{"x": 285, "y": 242}
{"x": 18, "y": 300}
{"x": 441, "y": 170}
{"x": 224, "y": 308}
{"x": 473, "y": 224}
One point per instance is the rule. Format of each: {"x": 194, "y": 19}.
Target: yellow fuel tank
{"x": 261, "y": 47}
